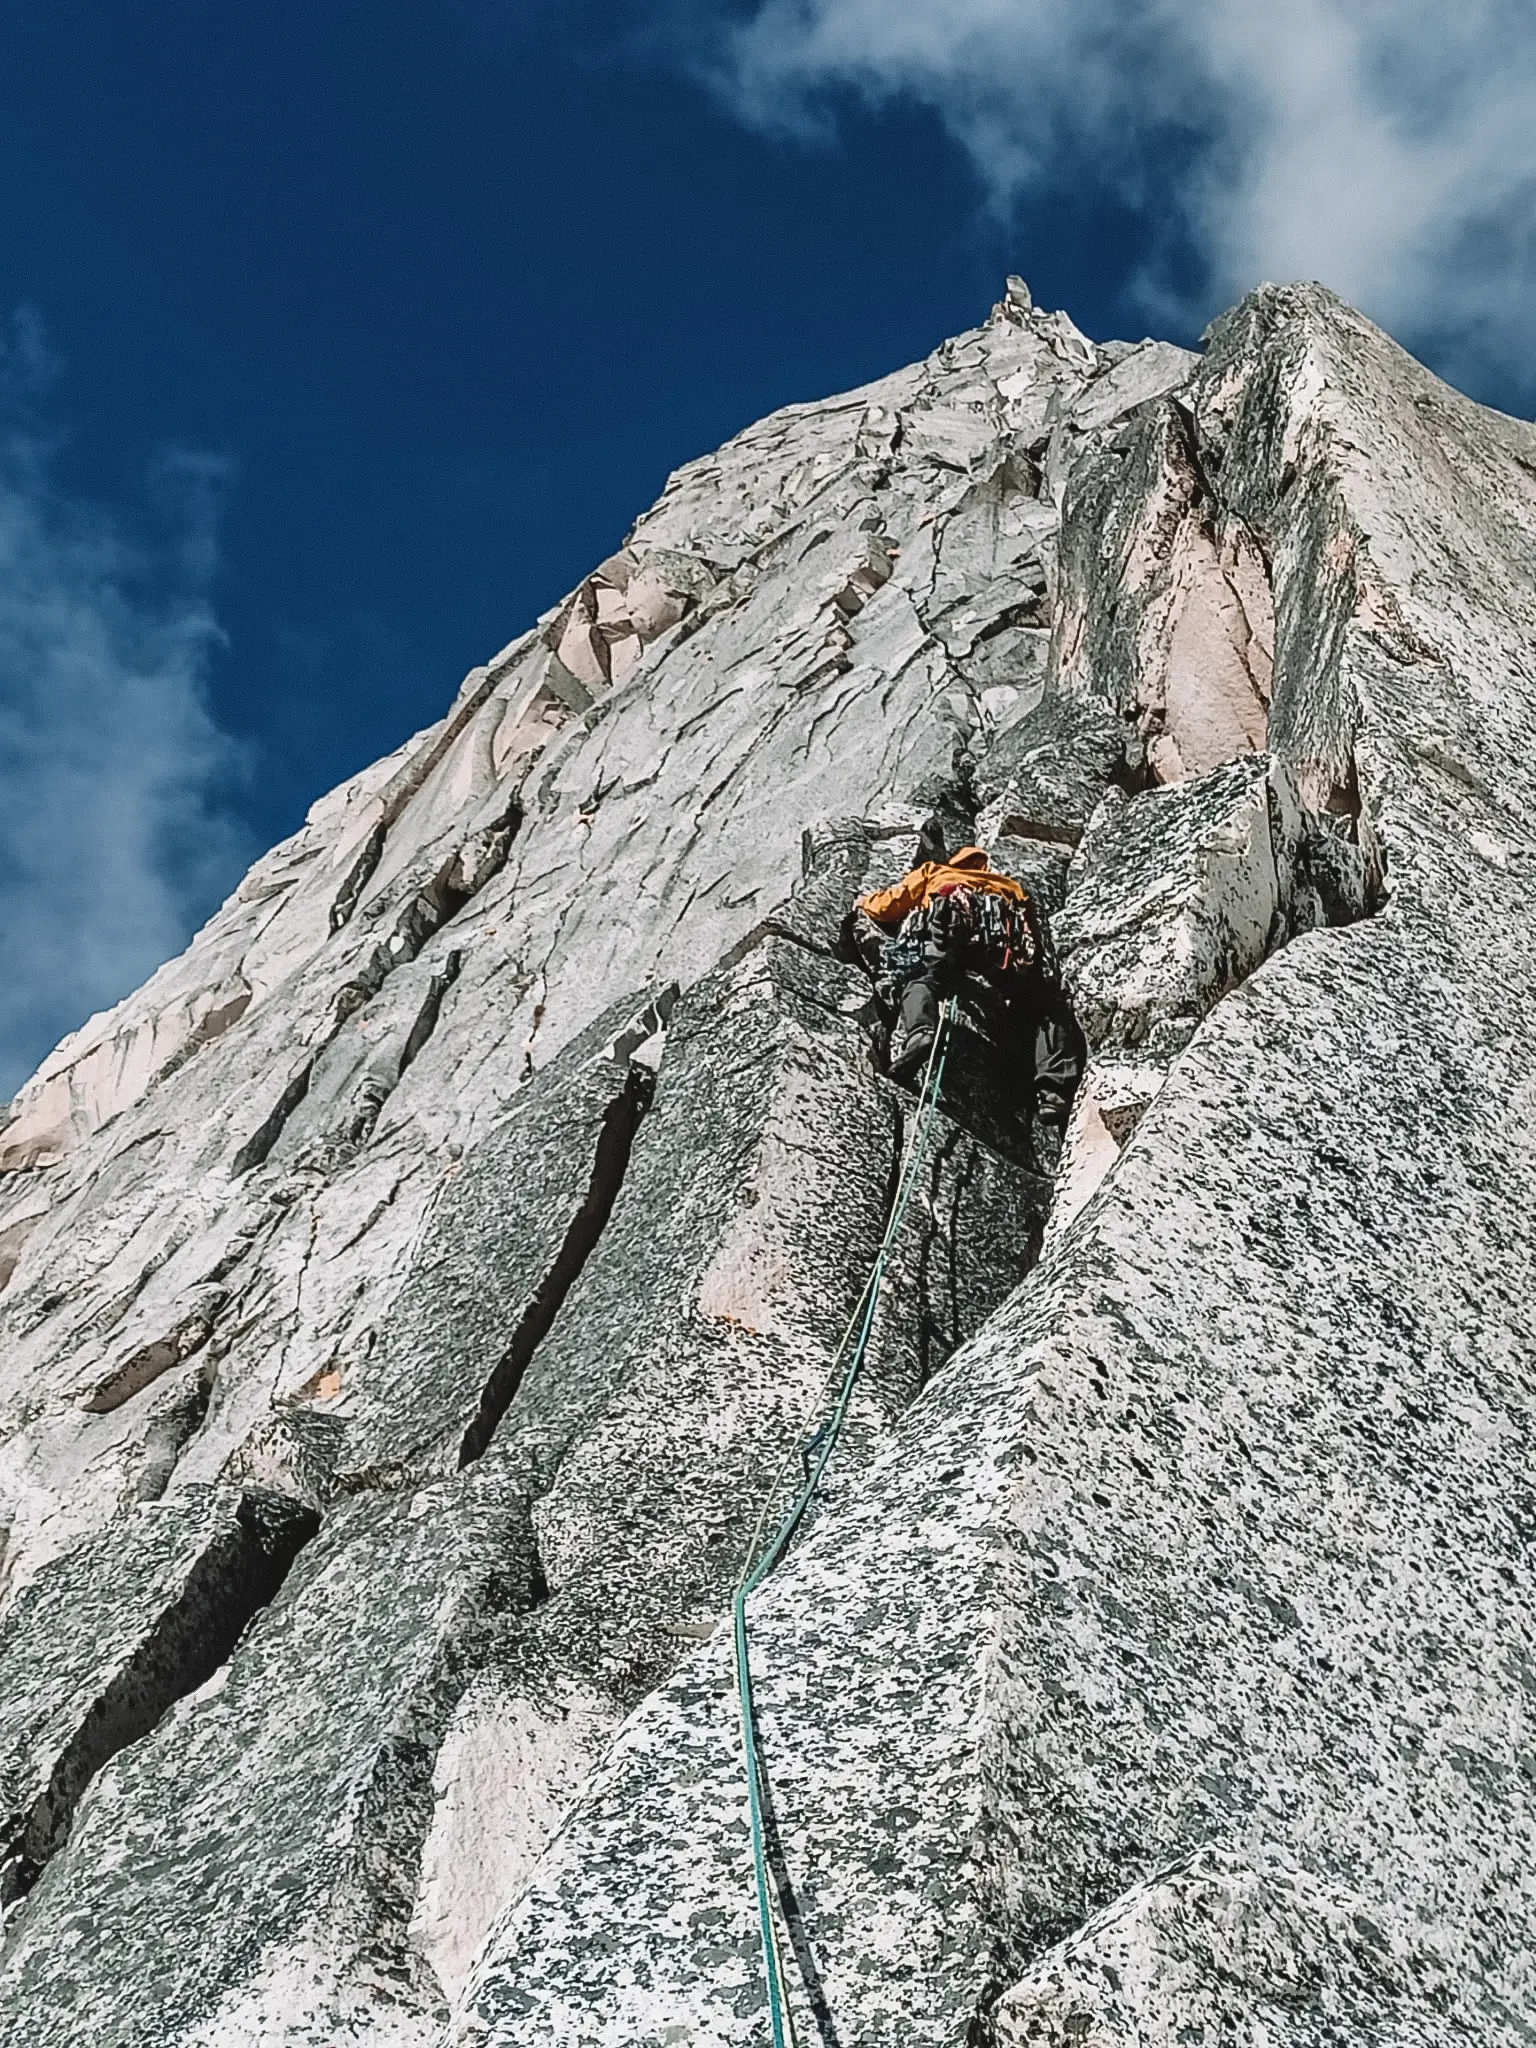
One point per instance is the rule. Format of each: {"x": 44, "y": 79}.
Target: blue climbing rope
{"x": 814, "y": 1454}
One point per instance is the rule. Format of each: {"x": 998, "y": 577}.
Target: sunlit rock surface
{"x": 412, "y": 1299}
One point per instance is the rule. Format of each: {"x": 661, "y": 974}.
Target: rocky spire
{"x": 410, "y": 1296}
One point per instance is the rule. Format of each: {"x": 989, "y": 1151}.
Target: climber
{"x": 953, "y": 925}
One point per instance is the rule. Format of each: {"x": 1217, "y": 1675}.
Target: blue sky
{"x": 342, "y": 336}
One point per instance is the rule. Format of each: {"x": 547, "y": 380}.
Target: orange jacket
{"x": 967, "y": 869}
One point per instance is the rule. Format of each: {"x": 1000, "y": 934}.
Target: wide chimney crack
{"x": 232, "y": 1581}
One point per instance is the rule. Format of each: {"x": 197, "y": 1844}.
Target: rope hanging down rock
{"x": 815, "y": 1454}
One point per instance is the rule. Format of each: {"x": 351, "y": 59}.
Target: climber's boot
{"x": 910, "y": 1051}
{"x": 1045, "y": 1142}
{"x": 1048, "y": 1129}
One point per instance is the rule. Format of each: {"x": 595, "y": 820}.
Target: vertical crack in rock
{"x": 175, "y": 1422}
{"x": 386, "y": 1070}
{"x": 490, "y": 1242}
{"x": 461, "y": 878}
{"x": 430, "y": 906}
{"x": 477, "y": 686}
{"x": 609, "y": 1163}
{"x": 359, "y": 876}
{"x": 286, "y": 1805}
{"x": 1180, "y": 612}
{"x": 1176, "y": 898}
{"x": 426, "y": 1017}
{"x": 236, "y": 1576}
{"x": 1166, "y": 611}
{"x": 259, "y": 1144}
{"x": 939, "y": 1331}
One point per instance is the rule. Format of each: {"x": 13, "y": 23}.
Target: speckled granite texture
{"x": 410, "y": 1298}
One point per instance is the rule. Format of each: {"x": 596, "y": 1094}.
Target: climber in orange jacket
{"x": 956, "y": 926}
{"x": 968, "y": 869}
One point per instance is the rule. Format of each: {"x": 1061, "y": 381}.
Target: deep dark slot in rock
{"x": 610, "y": 1162}
{"x": 358, "y": 878}
{"x": 940, "y": 1330}
{"x": 261, "y": 1141}
{"x": 377, "y": 1087}
{"x": 230, "y": 1583}
{"x": 427, "y": 1015}
{"x": 427, "y": 912}
{"x": 478, "y": 861}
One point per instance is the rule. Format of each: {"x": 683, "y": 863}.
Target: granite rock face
{"x": 412, "y": 1300}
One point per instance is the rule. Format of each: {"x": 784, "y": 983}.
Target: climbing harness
{"x": 814, "y": 1454}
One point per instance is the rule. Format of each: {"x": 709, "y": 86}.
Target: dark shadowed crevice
{"x": 898, "y": 1109}
{"x": 359, "y": 876}
{"x": 898, "y": 1396}
{"x": 1020, "y": 824}
{"x": 985, "y": 1096}
{"x": 462, "y": 876}
{"x": 940, "y": 1317}
{"x": 982, "y": 2030}
{"x": 609, "y": 1165}
{"x": 147, "y": 1362}
{"x": 538, "y": 1578}
{"x": 427, "y": 1016}
{"x": 381, "y": 1081}
{"x": 467, "y": 870}
{"x": 169, "y": 1433}
{"x": 233, "y": 1579}
{"x": 431, "y": 908}
{"x": 400, "y": 793}
{"x": 362, "y": 988}
{"x": 267, "y": 1133}
{"x": 794, "y": 1922}
{"x": 951, "y": 1274}
{"x": 1342, "y": 859}
{"x": 773, "y": 928}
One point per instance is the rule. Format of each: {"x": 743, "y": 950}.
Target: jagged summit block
{"x": 478, "y": 1201}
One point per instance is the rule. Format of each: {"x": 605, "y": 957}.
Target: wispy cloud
{"x": 1386, "y": 146}
{"x": 114, "y": 837}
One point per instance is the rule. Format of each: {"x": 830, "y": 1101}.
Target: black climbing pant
{"x": 1061, "y": 1053}
{"x": 1032, "y": 1019}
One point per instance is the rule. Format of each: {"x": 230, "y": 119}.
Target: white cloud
{"x": 113, "y": 841}
{"x": 1385, "y": 146}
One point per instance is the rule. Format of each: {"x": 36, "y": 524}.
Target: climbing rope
{"x": 814, "y": 1454}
